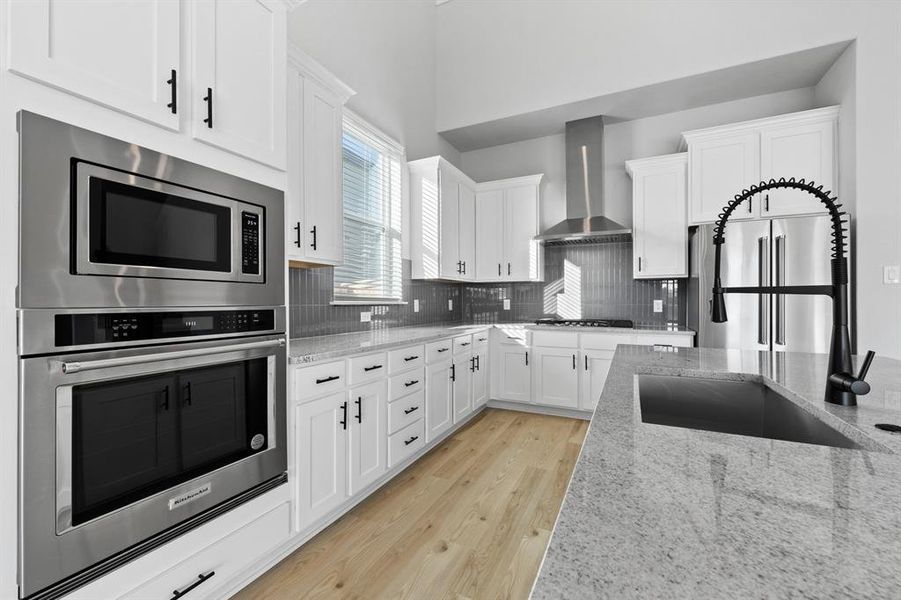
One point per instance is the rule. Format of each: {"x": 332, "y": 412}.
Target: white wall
{"x": 622, "y": 141}
{"x": 526, "y": 56}
{"x": 385, "y": 51}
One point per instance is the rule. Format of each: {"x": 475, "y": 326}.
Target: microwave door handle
{"x": 107, "y": 363}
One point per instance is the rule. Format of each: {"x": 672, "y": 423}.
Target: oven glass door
{"x": 132, "y": 225}
{"x": 134, "y": 437}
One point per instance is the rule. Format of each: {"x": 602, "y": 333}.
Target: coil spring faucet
{"x": 842, "y": 387}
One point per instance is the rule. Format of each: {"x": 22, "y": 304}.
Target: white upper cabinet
{"x": 442, "y": 218}
{"x": 801, "y": 148}
{"x": 659, "y": 216}
{"x": 313, "y": 202}
{"x": 506, "y": 225}
{"x": 132, "y": 67}
{"x": 239, "y": 70}
{"x": 724, "y": 160}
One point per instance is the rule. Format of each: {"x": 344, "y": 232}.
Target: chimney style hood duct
{"x": 585, "y": 220}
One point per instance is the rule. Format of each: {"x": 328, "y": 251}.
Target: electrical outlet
{"x": 450, "y": 304}
{"x": 658, "y": 306}
{"x": 891, "y": 274}
{"x": 506, "y": 304}
{"x": 415, "y": 305}
{"x": 365, "y": 317}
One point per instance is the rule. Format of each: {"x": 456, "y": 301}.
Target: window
{"x": 372, "y": 216}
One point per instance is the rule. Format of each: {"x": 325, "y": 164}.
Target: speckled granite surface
{"x": 325, "y": 347}
{"x": 665, "y": 512}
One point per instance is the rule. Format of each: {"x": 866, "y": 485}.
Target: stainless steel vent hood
{"x": 585, "y": 220}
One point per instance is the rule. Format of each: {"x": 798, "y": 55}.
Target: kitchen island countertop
{"x": 663, "y": 512}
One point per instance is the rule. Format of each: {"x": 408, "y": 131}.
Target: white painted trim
{"x": 370, "y": 129}
{"x": 540, "y": 409}
{"x": 499, "y": 184}
{"x": 434, "y": 163}
{"x": 309, "y": 67}
{"x": 796, "y": 118}
{"x": 675, "y": 160}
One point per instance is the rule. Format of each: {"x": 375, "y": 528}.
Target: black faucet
{"x": 842, "y": 387}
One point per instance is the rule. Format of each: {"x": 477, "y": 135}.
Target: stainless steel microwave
{"x": 107, "y": 223}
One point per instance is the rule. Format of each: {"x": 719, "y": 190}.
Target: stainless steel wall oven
{"x": 152, "y": 368}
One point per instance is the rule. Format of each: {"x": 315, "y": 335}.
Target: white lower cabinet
{"x": 463, "y": 370}
{"x": 406, "y": 442}
{"x": 555, "y": 377}
{"x": 514, "y": 380}
{"x": 213, "y": 566}
{"x": 368, "y": 426}
{"x": 595, "y": 365}
{"x": 320, "y": 456}
{"x": 480, "y": 376}
{"x": 439, "y": 395}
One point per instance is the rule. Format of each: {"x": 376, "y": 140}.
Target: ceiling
{"x": 787, "y": 72}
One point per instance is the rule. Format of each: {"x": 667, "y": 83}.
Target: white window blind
{"x": 372, "y": 164}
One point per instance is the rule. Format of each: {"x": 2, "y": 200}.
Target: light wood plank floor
{"x": 471, "y": 519}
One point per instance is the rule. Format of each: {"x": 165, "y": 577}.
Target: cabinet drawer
{"x": 406, "y": 383}
{"x": 683, "y": 341}
{"x": 440, "y": 350}
{"x": 515, "y": 336}
{"x": 406, "y": 358}
{"x": 555, "y": 339}
{"x": 319, "y": 380}
{"x": 605, "y": 341}
{"x": 405, "y": 442}
{"x": 225, "y": 558}
{"x": 462, "y": 343}
{"x": 480, "y": 339}
{"x": 368, "y": 368}
{"x": 405, "y": 411}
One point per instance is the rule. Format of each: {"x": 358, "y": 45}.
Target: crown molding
{"x": 310, "y": 67}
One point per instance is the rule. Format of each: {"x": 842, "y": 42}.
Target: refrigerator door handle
{"x": 763, "y": 265}
{"x": 779, "y": 300}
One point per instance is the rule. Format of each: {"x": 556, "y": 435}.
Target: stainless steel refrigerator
{"x": 787, "y": 251}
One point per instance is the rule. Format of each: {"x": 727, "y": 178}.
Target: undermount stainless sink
{"x": 736, "y": 407}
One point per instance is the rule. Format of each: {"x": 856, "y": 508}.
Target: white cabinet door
{"x": 119, "y": 54}
{"x": 720, "y": 168}
{"x": 368, "y": 416}
{"x": 556, "y": 375}
{"x": 520, "y": 226}
{"x": 239, "y": 94}
{"x": 320, "y": 453}
{"x": 438, "y": 399}
{"x": 514, "y": 374}
{"x": 480, "y": 379}
{"x": 467, "y": 229}
{"x": 595, "y": 366}
{"x": 801, "y": 151}
{"x": 490, "y": 259}
{"x": 659, "y": 217}
{"x": 449, "y": 225}
{"x": 463, "y": 371}
{"x": 322, "y": 229}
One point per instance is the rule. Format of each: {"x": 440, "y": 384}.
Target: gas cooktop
{"x": 586, "y": 322}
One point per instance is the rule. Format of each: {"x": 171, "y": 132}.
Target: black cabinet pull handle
{"x": 409, "y": 358}
{"x": 173, "y": 92}
{"x": 498, "y": 269}
{"x": 343, "y": 420}
{"x": 313, "y": 231}
{"x": 409, "y": 410}
{"x": 327, "y": 379}
{"x": 372, "y": 368}
{"x": 479, "y": 362}
{"x": 508, "y": 269}
{"x": 472, "y": 364}
{"x": 187, "y": 395}
{"x": 464, "y": 267}
{"x": 527, "y": 359}
{"x": 750, "y": 205}
{"x": 409, "y": 383}
{"x": 359, "y": 403}
{"x": 460, "y": 266}
{"x": 639, "y": 263}
{"x": 209, "y": 108}
{"x": 586, "y": 362}
{"x": 200, "y": 579}
{"x": 411, "y": 440}
{"x": 165, "y": 404}
{"x": 453, "y": 372}
{"x": 483, "y": 339}
{"x": 464, "y": 344}
{"x": 766, "y": 203}
{"x": 297, "y": 231}
{"x": 574, "y": 362}
{"x": 443, "y": 349}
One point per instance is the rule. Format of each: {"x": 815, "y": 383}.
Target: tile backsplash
{"x": 311, "y": 312}
{"x": 581, "y": 281}
{"x": 585, "y": 281}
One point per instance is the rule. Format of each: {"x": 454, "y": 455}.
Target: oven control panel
{"x": 250, "y": 243}
{"x": 103, "y": 328}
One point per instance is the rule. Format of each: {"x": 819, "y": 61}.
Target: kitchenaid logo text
{"x": 189, "y": 496}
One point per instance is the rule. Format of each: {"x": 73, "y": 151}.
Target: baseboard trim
{"x": 553, "y": 411}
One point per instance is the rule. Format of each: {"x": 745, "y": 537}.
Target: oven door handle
{"x": 107, "y": 363}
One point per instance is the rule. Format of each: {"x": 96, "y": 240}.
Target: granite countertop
{"x": 665, "y": 512}
{"x": 326, "y": 347}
